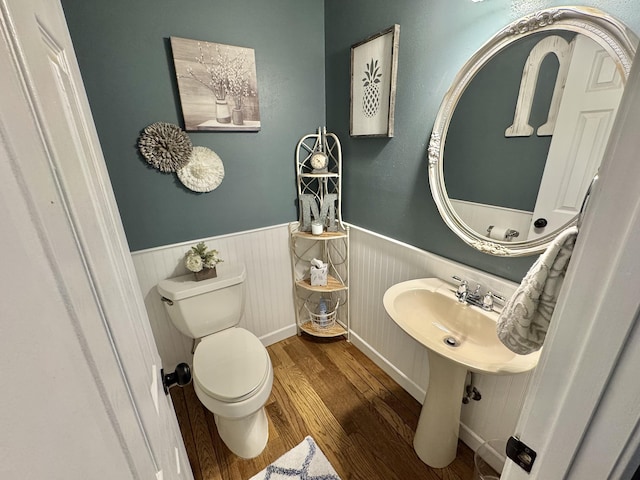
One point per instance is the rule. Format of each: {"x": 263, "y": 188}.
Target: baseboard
{"x": 278, "y": 335}
{"x": 470, "y": 438}
{"x": 405, "y": 382}
{"x": 495, "y": 458}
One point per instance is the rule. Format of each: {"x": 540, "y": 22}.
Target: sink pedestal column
{"x": 436, "y": 439}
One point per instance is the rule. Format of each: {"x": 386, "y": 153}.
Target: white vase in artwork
{"x": 223, "y": 113}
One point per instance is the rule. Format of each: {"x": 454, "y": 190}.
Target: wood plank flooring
{"x": 362, "y": 420}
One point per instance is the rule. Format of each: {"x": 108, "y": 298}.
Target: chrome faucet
{"x": 474, "y": 297}
{"x": 484, "y": 301}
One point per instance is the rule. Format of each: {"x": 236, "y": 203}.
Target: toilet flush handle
{"x": 180, "y": 376}
{"x": 167, "y": 301}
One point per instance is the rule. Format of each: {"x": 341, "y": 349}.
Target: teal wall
{"x": 125, "y": 59}
{"x": 302, "y": 55}
{"x": 385, "y": 180}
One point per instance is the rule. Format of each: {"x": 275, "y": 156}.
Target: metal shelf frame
{"x": 332, "y": 247}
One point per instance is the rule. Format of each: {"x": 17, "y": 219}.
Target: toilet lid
{"x": 230, "y": 365}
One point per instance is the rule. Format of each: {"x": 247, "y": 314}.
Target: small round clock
{"x": 319, "y": 160}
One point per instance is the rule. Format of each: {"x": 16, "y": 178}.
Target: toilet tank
{"x": 201, "y": 308}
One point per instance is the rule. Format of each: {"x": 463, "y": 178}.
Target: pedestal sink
{"x": 459, "y": 337}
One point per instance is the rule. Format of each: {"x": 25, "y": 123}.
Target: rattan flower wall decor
{"x": 204, "y": 172}
{"x": 165, "y": 146}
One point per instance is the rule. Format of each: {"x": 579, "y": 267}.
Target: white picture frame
{"x": 374, "y": 65}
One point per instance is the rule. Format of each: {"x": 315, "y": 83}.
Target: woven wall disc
{"x": 204, "y": 172}
{"x": 165, "y": 146}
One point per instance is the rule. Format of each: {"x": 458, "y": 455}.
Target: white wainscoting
{"x": 268, "y": 311}
{"x": 376, "y": 263}
{"x": 480, "y": 216}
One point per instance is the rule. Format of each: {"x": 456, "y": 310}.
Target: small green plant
{"x": 200, "y": 257}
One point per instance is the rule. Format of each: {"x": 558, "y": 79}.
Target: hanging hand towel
{"x": 523, "y": 323}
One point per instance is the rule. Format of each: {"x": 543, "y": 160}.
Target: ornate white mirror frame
{"x": 611, "y": 34}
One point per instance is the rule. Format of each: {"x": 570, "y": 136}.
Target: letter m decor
{"x": 326, "y": 215}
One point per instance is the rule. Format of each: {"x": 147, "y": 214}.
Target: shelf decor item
{"x": 204, "y": 172}
{"x": 165, "y": 146}
{"x": 218, "y": 85}
{"x": 323, "y": 313}
{"x": 202, "y": 261}
{"x": 318, "y": 272}
{"x": 374, "y": 65}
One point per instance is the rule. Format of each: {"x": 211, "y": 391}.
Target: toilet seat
{"x": 230, "y": 365}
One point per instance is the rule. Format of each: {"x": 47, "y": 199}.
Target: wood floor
{"x": 360, "y": 418}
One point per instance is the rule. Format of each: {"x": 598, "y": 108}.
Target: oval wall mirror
{"x": 521, "y": 132}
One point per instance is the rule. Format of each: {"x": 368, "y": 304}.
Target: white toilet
{"x": 232, "y": 371}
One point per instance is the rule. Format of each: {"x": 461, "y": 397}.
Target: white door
{"x": 83, "y": 396}
{"x": 582, "y": 411}
{"x": 587, "y": 110}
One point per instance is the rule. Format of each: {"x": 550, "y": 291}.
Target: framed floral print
{"x": 218, "y": 85}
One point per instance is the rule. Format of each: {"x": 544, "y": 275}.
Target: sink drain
{"x": 450, "y": 341}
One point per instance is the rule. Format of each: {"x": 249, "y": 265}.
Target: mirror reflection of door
{"x": 585, "y": 118}
{"x": 493, "y": 179}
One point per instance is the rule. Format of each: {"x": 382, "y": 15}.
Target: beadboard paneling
{"x": 479, "y": 217}
{"x": 268, "y": 311}
{"x": 376, "y": 264}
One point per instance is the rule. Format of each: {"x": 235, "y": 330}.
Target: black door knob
{"x": 540, "y": 223}
{"x": 181, "y": 376}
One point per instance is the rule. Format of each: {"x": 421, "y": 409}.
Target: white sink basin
{"x": 428, "y": 310}
{"x": 458, "y": 338}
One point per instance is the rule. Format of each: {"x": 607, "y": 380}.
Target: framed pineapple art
{"x": 374, "y": 65}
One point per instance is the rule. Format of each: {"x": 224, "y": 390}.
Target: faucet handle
{"x": 463, "y": 283}
{"x": 487, "y": 301}
{"x": 462, "y": 290}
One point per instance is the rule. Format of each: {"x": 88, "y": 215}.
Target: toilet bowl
{"x": 232, "y": 377}
{"x": 232, "y": 371}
